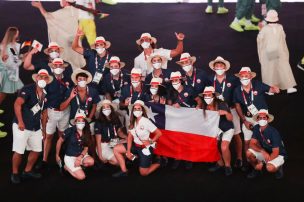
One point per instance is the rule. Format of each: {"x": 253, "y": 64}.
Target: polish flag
{"x": 188, "y": 134}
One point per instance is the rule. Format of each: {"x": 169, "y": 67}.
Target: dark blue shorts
{"x": 144, "y": 161}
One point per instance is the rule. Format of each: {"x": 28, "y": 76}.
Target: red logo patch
{"x": 228, "y": 85}
{"x": 255, "y": 92}
{"x": 186, "y": 94}
{"x": 90, "y": 99}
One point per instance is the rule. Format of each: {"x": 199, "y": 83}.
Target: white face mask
{"x": 153, "y": 91}
{"x": 187, "y": 68}
{"x": 262, "y": 122}
{"x": 208, "y": 100}
{"x": 54, "y": 55}
{"x": 41, "y": 83}
{"x": 58, "y": 71}
{"x": 100, "y": 50}
{"x": 106, "y": 112}
{"x": 220, "y": 72}
{"x": 114, "y": 71}
{"x": 176, "y": 85}
{"x": 145, "y": 45}
{"x": 157, "y": 65}
{"x": 245, "y": 82}
{"x": 82, "y": 84}
{"x": 135, "y": 83}
{"x": 80, "y": 125}
{"x": 137, "y": 113}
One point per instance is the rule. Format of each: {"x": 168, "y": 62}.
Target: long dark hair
{"x": 133, "y": 118}
{"x": 113, "y": 117}
{"x": 215, "y": 104}
{"x": 86, "y": 135}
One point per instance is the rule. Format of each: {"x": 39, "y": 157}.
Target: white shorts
{"x": 248, "y": 133}
{"x": 69, "y": 162}
{"x": 57, "y": 119}
{"x": 227, "y": 136}
{"x": 236, "y": 121}
{"x": 106, "y": 151}
{"x": 27, "y": 139}
{"x": 277, "y": 162}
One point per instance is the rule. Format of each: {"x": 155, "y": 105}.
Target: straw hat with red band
{"x": 78, "y": 71}
{"x": 136, "y": 72}
{"x": 154, "y": 55}
{"x": 175, "y": 75}
{"x": 219, "y": 59}
{"x": 138, "y": 102}
{"x": 272, "y": 16}
{"x": 42, "y": 72}
{"x": 263, "y": 112}
{"x": 58, "y": 61}
{"x": 115, "y": 59}
{"x": 104, "y": 102}
{"x": 100, "y": 40}
{"x": 156, "y": 81}
{"x": 52, "y": 45}
{"x": 245, "y": 70}
{"x": 146, "y": 35}
{"x": 78, "y": 116}
{"x": 209, "y": 90}
{"x": 186, "y": 56}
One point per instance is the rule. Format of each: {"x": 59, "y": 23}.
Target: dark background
{"x": 207, "y": 36}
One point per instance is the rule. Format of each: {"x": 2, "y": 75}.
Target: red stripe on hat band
{"x": 182, "y": 59}
{"x": 43, "y": 73}
{"x": 175, "y": 77}
{"x": 57, "y": 63}
{"x": 155, "y": 83}
{"x": 263, "y": 113}
{"x": 54, "y": 47}
{"x": 79, "y": 117}
{"x": 114, "y": 61}
{"x": 207, "y": 92}
{"x": 100, "y": 41}
{"x": 244, "y": 72}
{"x": 135, "y": 74}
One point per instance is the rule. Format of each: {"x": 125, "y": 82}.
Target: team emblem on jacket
{"x": 186, "y": 94}
{"x": 90, "y": 99}
{"x": 228, "y": 85}
{"x": 142, "y": 127}
{"x": 198, "y": 81}
{"x": 255, "y": 92}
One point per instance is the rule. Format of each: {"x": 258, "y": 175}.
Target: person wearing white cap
{"x": 96, "y": 58}
{"x": 194, "y": 77}
{"x": 183, "y": 95}
{"x": 29, "y": 107}
{"x": 157, "y": 92}
{"x": 139, "y": 142}
{"x": 61, "y": 27}
{"x": 10, "y": 60}
{"x": 249, "y": 97}
{"x": 266, "y": 147}
{"x": 83, "y": 97}
{"x": 226, "y": 131}
{"x": 55, "y": 118}
{"x": 115, "y": 80}
{"x": 224, "y": 84}
{"x": 274, "y": 55}
{"x": 157, "y": 62}
{"x": 108, "y": 132}
{"x": 78, "y": 145}
{"x": 147, "y": 44}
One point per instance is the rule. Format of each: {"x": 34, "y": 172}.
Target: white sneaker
{"x": 291, "y": 90}
{"x": 269, "y": 93}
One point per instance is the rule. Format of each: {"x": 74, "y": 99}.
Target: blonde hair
{"x": 8, "y": 37}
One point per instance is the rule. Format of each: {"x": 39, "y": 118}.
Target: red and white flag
{"x": 188, "y": 134}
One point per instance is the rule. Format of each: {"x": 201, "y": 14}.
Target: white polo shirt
{"x": 86, "y": 3}
{"x": 142, "y": 130}
{"x": 141, "y": 62}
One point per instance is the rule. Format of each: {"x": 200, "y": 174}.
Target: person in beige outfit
{"x": 274, "y": 55}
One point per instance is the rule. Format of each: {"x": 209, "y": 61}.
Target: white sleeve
{"x": 165, "y": 52}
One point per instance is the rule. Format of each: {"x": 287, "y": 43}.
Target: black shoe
{"x": 228, "y": 171}
{"x": 214, "y": 168}
{"x": 238, "y": 163}
{"x": 279, "y": 174}
{"x": 42, "y": 165}
{"x": 253, "y": 174}
{"x": 188, "y": 165}
{"x": 175, "y": 164}
{"x": 245, "y": 167}
{"x": 15, "y": 179}
{"x": 120, "y": 174}
{"x": 31, "y": 174}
